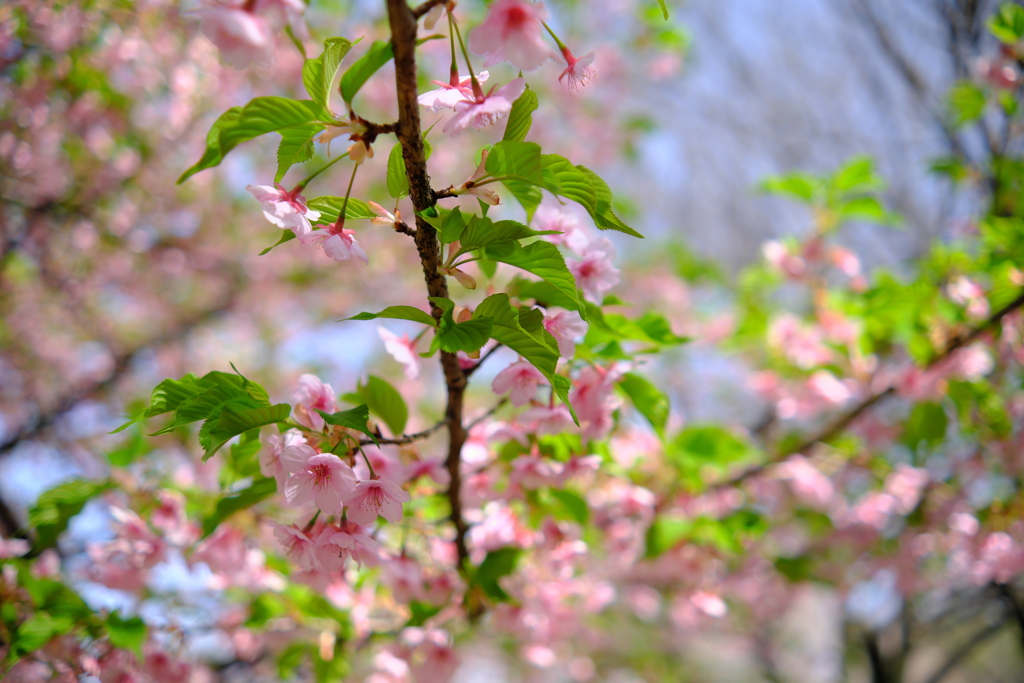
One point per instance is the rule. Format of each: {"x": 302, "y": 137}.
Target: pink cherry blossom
{"x": 404, "y": 577}
{"x": 337, "y": 544}
{"x": 13, "y": 547}
{"x": 337, "y": 242}
{"x": 566, "y": 327}
{"x": 594, "y": 272}
{"x": 521, "y": 378}
{"x": 310, "y": 396}
{"x": 281, "y": 13}
{"x": 579, "y": 70}
{"x": 447, "y": 96}
{"x": 439, "y": 660}
{"x": 594, "y": 399}
{"x": 373, "y": 498}
{"x": 548, "y": 420}
{"x": 533, "y": 472}
{"x": 285, "y": 209}
{"x": 299, "y": 547}
{"x": 485, "y": 110}
{"x": 270, "y": 456}
{"x": 512, "y": 32}
{"x": 563, "y": 222}
{"x": 243, "y": 37}
{"x": 403, "y": 350}
{"x": 319, "y": 477}
{"x": 433, "y": 468}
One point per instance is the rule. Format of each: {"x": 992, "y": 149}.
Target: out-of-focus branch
{"x": 838, "y": 425}
{"x": 966, "y": 649}
{"x": 121, "y": 363}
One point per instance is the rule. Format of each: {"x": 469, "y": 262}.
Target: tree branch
{"x": 843, "y": 421}
{"x": 422, "y": 9}
{"x": 402, "y": 20}
{"x": 965, "y": 650}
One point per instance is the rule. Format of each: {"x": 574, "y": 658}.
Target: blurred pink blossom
{"x": 512, "y": 32}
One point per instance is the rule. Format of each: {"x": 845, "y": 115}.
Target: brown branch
{"x": 405, "y": 229}
{"x": 843, "y": 421}
{"x": 402, "y": 20}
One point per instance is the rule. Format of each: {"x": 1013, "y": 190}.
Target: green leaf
{"x": 50, "y": 514}
{"x": 864, "y": 209}
{"x": 967, "y": 103}
{"x": 318, "y": 74}
{"x": 518, "y": 159}
{"x": 574, "y": 505}
{"x": 468, "y": 336}
{"x": 540, "y": 258}
{"x": 544, "y": 293}
{"x": 928, "y": 422}
{"x": 584, "y": 187}
{"x": 213, "y": 154}
{"x": 379, "y": 54}
{"x": 296, "y": 147}
{"x": 398, "y": 183}
{"x": 802, "y": 186}
{"x": 857, "y": 175}
{"x": 262, "y": 115}
{"x": 354, "y": 418}
{"x": 130, "y": 452}
{"x": 652, "y": 403}
{"x": 1007, "y": 24}
{"x": 126, "y": 634}
{"x": 385, "y": 402}
{"x": 330, "y": 208}
{"x": 236, "y": 417}
{"x": 528, "y": 195}
{"x": 522, "y": 330}
{"x": 399, "y": 313}
{"x": 521, "y": 117}
{"x": 261, "y": 489}
{"x": 35, "y": 632}
{"x": 664, "y": 534}
{"x": 420, "y": 612}
{"x": 482, "y": 232}
{"x": 452, "y": 227}
{"x": 497, "y": 564}
{"x": 286, "y": 236}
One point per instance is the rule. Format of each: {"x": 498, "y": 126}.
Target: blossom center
{"x": 320, "y": 475}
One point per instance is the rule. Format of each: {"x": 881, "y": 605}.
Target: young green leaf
{"x": 398, "y": 183}
{"x": 497, "y": 564}
{"x": 50, "y": 514}
{"x": 521, "y": 117}
{"x": 318, "y": 74}
{"x": 330, "y": 207}
{"x": 652, "y": 403}
{"x": 296, "y": 147}
{"x": 385, "y": 402}
{"x": 262, "y": 115}
{"x": 286, "y": 236}
{"x": 399, "y": 313}
{"x": 127, "y": 634}
{"x": 468, "y": 336}
{"x": 379, "y": 54}
{"x": 354, "y": 418}
{"x": 234, "y": 418}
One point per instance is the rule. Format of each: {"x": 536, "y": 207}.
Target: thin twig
{"x": 493, "y": 409}
{"x": 469, "y": 371}
{"x": 405, "y": 438}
